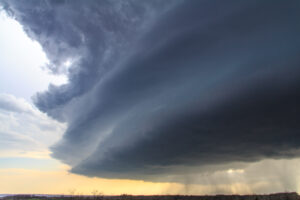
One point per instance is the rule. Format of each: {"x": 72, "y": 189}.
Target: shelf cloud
{"x": 157, "y": 88}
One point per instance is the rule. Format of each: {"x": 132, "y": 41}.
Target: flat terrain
{"x": 278, "y": 196}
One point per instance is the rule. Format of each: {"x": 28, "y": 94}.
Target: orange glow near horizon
{"x": 59, "y": 181}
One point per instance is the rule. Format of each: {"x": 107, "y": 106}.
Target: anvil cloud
{"x": 159, "y": 87}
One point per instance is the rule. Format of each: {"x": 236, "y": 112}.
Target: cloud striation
{"x": 159, "y": 87}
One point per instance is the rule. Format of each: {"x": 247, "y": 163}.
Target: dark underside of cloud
{"x": 157, "y": 88}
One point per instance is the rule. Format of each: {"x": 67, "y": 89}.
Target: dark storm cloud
{"x": 156, "y": 89}
{"x": 91, "y": 35}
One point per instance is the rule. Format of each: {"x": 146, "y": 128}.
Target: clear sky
{"x": 149, "y": 98}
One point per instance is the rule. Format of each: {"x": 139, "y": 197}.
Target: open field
{"x": 278, "y": 196}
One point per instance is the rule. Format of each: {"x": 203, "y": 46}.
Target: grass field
{"x": 278, "y": 196}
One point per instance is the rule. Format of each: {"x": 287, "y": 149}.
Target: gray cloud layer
{"x": 155, "y": 89}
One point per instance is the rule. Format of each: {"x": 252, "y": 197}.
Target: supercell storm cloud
{"x": 158, "y": 87}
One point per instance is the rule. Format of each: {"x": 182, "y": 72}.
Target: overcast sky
{"x": 191, "y": 97}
